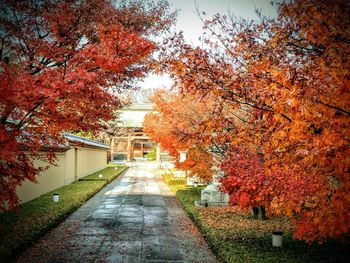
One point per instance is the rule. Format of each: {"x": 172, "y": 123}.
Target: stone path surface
{"x": 136, "y": 218}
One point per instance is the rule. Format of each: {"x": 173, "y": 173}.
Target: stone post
{"x": 158, "y": 152}
{"x": 129, "y": 149}
{"x": 112, "y": 149}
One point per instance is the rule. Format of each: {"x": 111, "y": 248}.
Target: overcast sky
{"x": 190, "y": 24}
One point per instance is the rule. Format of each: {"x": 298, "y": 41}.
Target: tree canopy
{"x": 283, "y": 113}
{"x": 70, "y": 60}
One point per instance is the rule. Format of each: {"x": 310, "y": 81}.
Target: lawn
{"x": 235, "y": 236}
{"x": 175, "y": 183}
{"x": 20, "y": 228}
{"x": 108, "y": 174}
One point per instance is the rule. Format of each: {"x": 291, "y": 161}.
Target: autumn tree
{"x": 290, "y": 76}
{"x": 179, "y": 125}
{"x": 70, "y": 60}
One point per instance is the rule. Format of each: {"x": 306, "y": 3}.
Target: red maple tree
{"x": 69, "y": 61}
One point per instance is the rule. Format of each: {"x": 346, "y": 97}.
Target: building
{"x": 132, "y": 142}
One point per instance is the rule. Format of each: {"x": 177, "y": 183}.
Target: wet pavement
{"x": 136, "y": 218}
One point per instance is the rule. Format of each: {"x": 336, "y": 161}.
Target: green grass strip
{"x": 170, "y": 180}
{"x": 108, "y": 174}
{"x": 19, "y": 228}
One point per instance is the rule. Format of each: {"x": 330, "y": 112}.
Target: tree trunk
{"x": 263, "y": 213}
{"x": 256, "y": 212}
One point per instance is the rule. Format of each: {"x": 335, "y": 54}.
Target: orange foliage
{"x": 284, "y": 87}
{"x": 178, "y": 126}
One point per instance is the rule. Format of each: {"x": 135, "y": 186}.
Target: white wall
{"x": 70, "y": 166}
{"x": 47, "y": 181}
{"x": 90, "y": 161}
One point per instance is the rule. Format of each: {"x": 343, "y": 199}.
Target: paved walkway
{"x": 134, "y": 219}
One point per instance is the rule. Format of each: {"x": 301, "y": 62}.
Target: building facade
{"x": 131, "y": 142}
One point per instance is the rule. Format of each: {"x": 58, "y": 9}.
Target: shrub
{"x": 152, "y": 154}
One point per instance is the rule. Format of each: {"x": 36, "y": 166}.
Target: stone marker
{"x": 212, "y": 196}
{"x": 179, "y": 174}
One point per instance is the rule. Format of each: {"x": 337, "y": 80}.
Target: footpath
{"x": 136, "y": 218}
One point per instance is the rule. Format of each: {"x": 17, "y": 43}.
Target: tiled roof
{"x": 139, "y": 107}
{"x": 78, "y": 139}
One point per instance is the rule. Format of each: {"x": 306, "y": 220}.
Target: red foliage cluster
{"x": 71, "y": 59}
{"x": 245, "y": 189}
